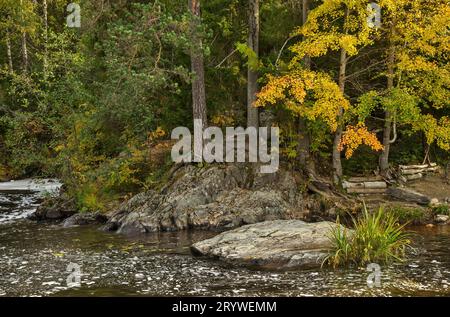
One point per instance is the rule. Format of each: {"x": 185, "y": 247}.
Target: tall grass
{"x": 376, "y": 238}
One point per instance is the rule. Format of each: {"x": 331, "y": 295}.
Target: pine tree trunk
{"x": 384, "y": 157}
{"x": 197, "y": 65}
{"x": 252, "y": 75}
{"x": 9, "y": 52}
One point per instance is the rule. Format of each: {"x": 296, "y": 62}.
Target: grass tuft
{"x": 376, "y": 238}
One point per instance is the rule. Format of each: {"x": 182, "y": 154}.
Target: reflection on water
{"x": 34, "y": 258}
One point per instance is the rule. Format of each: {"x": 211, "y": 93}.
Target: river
{"x": 34, "y": 261}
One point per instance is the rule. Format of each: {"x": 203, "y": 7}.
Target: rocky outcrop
{"x": 82, "y": 219}
{"x": 55, "y": 208}
{"x": 215, "y": 197}
{"x": 280, "y": 244}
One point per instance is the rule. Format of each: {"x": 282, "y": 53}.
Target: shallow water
{"x": 34, "y": 259}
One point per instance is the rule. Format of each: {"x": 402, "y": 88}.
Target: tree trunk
{"x": 337, "y": 164}
{"x": 304, "y": 140}
{"x": 45, "y": 62}
{"x": 252, "y": 75}
{"x": 384, "y": 157}
{"x": 197, "y": 64}
{"x": 8, "y": 52}
{"x": 24, "y": 46}
{"x": 24, "y": 53}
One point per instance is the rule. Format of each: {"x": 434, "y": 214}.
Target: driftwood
{"x": 413, "y": 172}
{"x": 375, "y": 185}
{"x": 366, "y": 190}
{"x": 419, "y": 170}
{"x": 365, "y": 186}
{"x": 413, "y": 177}
{"x": 365, "y": 179}
{"x": 408, "y": 195}
{"x": 369, "y": 185}
{"x": 409, "y": 167}
{"x": 347, "y": 185}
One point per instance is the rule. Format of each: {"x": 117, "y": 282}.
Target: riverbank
{"x": 225, "y": 196}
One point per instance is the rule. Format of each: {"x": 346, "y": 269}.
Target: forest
{"x": 94, "y": 104}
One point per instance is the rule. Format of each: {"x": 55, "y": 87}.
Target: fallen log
{"x": 420, "y": 170}
{"x": 402, "y": 179}
{"x": 413, "y": 177}
{"x": 408, "y": 167}
{"x": 375, "y": 185}
{"x": 359, "y": 179}
{"x": 408, "y": 195}
{"x": 368, "y": 185}
{"x": 346, "y": 184}
{"x": 366, "y": 190}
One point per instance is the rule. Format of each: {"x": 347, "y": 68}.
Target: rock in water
{"x": 55, "y": 208}
{"x": 81, "y": 219}
{"x": 442, "y": 219}
{"x": 215, "y": 197}
{"x": 279, "y": 244}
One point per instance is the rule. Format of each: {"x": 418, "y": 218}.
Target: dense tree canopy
{"x": 94, "y": 105}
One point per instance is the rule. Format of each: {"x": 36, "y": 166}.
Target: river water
{"x": 35, "y": 258}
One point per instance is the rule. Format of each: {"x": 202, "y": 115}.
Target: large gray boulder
{"x": 279, "y": 244}
{"x": 216, "y": 197}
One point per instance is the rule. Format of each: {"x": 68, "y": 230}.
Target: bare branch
{"x": 227, "y": 57}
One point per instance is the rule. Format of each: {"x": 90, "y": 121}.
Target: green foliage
{"x": 377, "y": 237}
{"x": 361, "y": 163}
{"x": 443, "y": 209}
{"x": 250, "y": 55}
{"x": 407, "y": 215}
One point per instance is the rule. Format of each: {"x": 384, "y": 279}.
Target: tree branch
{"x": 227, "y": 57}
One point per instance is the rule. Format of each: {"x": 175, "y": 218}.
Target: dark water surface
{"x": 34, "y": 259}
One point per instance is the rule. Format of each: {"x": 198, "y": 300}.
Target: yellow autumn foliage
{"x": 305, "y": 93}
{"x": 355, "y": 136}
{"x": 321, "y": 34}
{"x": 435, "y": 130}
